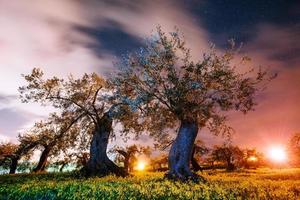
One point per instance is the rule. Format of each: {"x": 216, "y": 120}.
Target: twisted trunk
{"x": 181, "y": 152}
{"x": 43, "y": 160}
{"x": 99, "y": 164}
{"x": 13, "y": 164}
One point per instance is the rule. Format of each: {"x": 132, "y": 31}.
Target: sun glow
{"x": 141, "y": 166}
{"x": 277, "y": 154}
{"x": 252, "y": 158}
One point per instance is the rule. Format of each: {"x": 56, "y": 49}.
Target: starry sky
{"x": 72, "y": 36}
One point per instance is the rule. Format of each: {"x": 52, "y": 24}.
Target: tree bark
{"x": 43, "y": 160}
{"x": 99, "y": 164}
{"x": 13, "y": 164}
{"x": 181, "y": 152}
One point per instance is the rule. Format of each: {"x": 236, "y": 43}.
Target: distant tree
{"x": 7, "y": 151}
{"x": 47, "y": 136}
{"x": 88, "y": 99}
{"x": 294, "y": 149}
{"x": 167, "y": 88}
{"x": 159, "y": 163}
{"x": 128, "y": 155}
{"x": 25, "y": 165}
{"x": 54, "y": 135}
{"x": 231, "y": 155}
{"x": 72, "y": 157}
{"x": 252, "y": 159}
{"x": 199, "y": 149}
{"x": 27, "y": 144}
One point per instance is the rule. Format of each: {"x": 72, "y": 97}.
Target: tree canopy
{"x": 167, "y": 87}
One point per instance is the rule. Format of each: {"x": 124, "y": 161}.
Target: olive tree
{"x": 7, "y": 150}
{"x": 54, "y": 135}
{"x": 199, "y": 149}
{"x": 128, "y": 155}
{"x": 168, "y": 88}
{"x": 294, "y": 149}
{"x": 229, "y": 154}
{"x": 27, "y": 144}
{"x": 89, "y": 100}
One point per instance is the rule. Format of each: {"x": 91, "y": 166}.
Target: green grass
{"x": 251, "y": 184}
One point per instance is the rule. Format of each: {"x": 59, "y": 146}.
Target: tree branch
{"x": 77, "y": 104}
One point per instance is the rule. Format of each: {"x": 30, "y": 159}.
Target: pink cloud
{"x": 276, "y": 117}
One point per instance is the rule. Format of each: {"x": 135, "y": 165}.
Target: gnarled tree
{"x": 57, "y": 133}
{"x": 167, "y": 88}
{"x": 88, "y": 98}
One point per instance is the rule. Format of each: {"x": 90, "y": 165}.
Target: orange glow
{"x": 252, "y": 158}
{"x": 141, "y": 166}
{"x": 277, "y": 154}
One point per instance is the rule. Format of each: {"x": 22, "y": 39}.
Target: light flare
{"x": 252, "y": 158}
{"x": 277, "y": 154}
{"x": 141, "y": 166}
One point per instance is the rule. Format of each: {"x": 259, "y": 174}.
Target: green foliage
{"x": 250, "y": 184}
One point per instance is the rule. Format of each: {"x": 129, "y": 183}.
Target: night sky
{"x": 64, "y": 37}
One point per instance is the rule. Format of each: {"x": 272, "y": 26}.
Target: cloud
{"x": 39, "y": 34}
{"x": 12, "y": 121}
{"x": 276, "y": 117}
{"x": 43, "y": 34}
{"x": 140, "y": 17}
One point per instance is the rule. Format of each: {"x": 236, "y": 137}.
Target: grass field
{"x": 253, "y": 184}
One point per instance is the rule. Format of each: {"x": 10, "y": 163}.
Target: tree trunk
{"x": 99, "y": 164}
{"x": 18, "y": 154}
{"x": 230, "y": 165}
{"x": 43, "y": 160}
{"x": 181, "y": 152}
{"x": 195, "y": 166}
{"x": 13, "y": 164}
{"x": 126, "y": 164}
{"x": 126, "y": 159}
{"x": 62, "y": 167}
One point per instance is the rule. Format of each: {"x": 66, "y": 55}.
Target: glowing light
{"x": 141, "y": 166}
{"x": 252, "y": 158}
{"x": 277, "y": 154}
